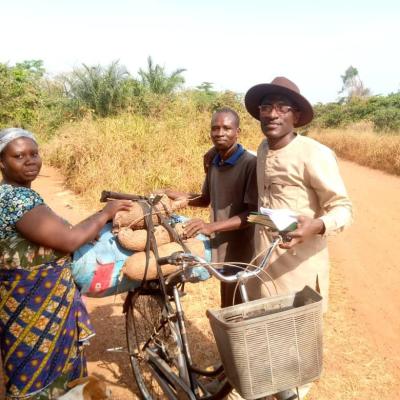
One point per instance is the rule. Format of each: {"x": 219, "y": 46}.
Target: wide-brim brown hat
{"x": 279, "y": 85}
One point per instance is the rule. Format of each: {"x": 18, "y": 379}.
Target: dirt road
{"x": 363, "y": 324}
{"x": 369, "y": 258}
{"x": 362, "y": 327}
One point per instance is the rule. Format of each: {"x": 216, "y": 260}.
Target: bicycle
{"x": 158, "y": 342}
{"x": 157, "y": 339}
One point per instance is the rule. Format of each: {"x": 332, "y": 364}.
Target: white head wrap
{"x": 9, "y": 134}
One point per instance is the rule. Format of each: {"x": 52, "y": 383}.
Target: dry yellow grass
{"x": 362, "y": 145}
{"x": 136, "y": 154}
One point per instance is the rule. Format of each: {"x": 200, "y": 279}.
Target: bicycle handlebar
{"x": 183, "y": 259}
{"x": 151, "y": 200}
{"x": 106, "y": 194}
{"x": 171, "y": 259}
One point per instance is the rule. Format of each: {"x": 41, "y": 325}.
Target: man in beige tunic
{"x": 301, "y": 174}
{"x": 297, "y": 173}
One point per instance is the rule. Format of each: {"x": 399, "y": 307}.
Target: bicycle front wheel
{"x": 147, "y": 327}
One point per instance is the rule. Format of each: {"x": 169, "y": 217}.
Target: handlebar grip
{"x": 105, "y": 194}
{"x": 173, "y": 259}
{"x": 165, "y": 260}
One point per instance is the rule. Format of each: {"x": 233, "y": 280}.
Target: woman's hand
{"x": 113, "y": 206}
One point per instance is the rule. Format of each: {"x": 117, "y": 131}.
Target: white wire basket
{"x": 271, "y": 344}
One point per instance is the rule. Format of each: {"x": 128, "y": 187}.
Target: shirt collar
{"x": 232, "y": 160}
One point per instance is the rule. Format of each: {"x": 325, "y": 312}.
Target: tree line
{"x": 30, "y": 98}
{"x": 357, "y": 104}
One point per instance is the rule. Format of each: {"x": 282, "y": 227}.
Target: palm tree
{"x": 105, "y": 90}
{"x": 156, "y": 80}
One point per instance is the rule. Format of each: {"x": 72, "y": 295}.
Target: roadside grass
{"x": 359, "y": 143}
{"x": 135, "y": 154}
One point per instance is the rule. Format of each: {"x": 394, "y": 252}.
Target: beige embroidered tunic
{"x": 302, "y": 176}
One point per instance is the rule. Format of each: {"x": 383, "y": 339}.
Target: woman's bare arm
{"x": 42, "y": 226}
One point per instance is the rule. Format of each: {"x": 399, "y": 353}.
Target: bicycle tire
{"x": 146, "y": 326}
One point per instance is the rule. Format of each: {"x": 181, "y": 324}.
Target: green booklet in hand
{"x": 278, "y": 219}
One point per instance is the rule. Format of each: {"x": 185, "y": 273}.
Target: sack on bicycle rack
{"x": 134, "y": 218}
{"x": 135, "y": 240}
{"x": 96, "y": 266}
{"x": 271, "y": 344}
{"x": 135, "y": 265}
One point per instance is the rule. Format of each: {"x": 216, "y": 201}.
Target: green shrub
{"x": 329, "y": 115}
{"x": 21, "y": 93}
{"x": 386, "y": 119}
{"x": 383, "y": 111}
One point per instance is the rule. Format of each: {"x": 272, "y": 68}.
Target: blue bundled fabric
{"x": 97, "y": 266}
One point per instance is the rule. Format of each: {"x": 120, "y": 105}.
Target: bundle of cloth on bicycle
{"x": 117, "y": 262}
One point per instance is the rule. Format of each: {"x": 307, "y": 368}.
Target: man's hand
{"x": 196, "y": 226}
{"x": 306, "y": 228}
{"x": 172, "y": 194}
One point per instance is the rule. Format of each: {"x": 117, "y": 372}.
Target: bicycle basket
{"x": 271, "y": 344}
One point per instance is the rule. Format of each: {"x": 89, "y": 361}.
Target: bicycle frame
{"x": 186, "y": 385}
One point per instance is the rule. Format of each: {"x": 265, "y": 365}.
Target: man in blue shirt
{"x": 230, "y": 188}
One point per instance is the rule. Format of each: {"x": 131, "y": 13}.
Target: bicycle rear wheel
{"x": 147, "y": 327}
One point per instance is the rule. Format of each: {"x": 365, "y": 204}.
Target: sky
{"x": 233, "y": 44}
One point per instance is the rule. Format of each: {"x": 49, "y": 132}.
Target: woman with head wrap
{"x": 43, "y": 322}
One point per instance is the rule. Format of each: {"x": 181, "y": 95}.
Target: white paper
{"x": 281, "y": 217}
